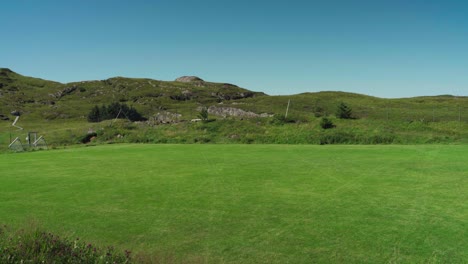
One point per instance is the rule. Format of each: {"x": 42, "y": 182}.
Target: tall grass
{"x": 295, "y": 130}
{"x": 33, "y": 245}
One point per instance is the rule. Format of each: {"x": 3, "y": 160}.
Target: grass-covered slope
{"x": 47, "y": 100}
{"x": 249, "y": 203}
{"x": 58, "y": 111}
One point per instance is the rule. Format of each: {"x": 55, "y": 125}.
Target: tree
{"x": 114, "y": 110}
{"x": 133, "y": 115}
{"x": 344, "y": 111}
{"x": 94, "y": 115}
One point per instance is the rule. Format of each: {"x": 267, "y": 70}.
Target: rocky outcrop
{"x": 183, "y": 96}
{"x": 231, "y": 111}
{"x": 164, "y": 118}
{"x": 63, "y": 92}
{"x": 232, "y": 96}
{"x": 189, "y": 79}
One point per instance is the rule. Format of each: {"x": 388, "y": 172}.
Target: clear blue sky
{"x": 388, "y": 48}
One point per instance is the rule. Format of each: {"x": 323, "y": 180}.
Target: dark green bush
{"x": 326, "y": 123}
{"x": 87, "y": 138}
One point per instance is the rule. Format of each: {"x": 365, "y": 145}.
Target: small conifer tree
{"x": 344, "y": 111}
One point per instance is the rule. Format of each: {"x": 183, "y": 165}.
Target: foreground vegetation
{"x": 35, "y": 246}
{"x": 249, "y": 203}
{"x": 250, "y": 131}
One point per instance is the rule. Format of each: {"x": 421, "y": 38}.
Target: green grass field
{"x": 249, "y": 203}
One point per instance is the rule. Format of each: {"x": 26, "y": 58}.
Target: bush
{"x": 87, "y": 138}
{"x": 337, "y": 137}
{"x": 326, "y": 123}
{"x": 319, "y": 111}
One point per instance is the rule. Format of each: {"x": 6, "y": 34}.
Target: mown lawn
{"x": 249, "y": 203}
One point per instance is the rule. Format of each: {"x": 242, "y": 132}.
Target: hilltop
{"x": 241, "y": 115}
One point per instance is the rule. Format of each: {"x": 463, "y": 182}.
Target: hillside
{"x": 60, "y": 111}
{"x": 50, "y": 100}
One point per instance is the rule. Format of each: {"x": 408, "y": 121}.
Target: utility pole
{"x": 287, "y": 108}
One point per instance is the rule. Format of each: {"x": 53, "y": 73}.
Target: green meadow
{"x": 248, "y": 203}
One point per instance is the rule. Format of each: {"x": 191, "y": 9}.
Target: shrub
{"x": 337, "y": 137}
{"x": 87, "y": 138}
{"x": 319, "y": 111}
{"x": 203, "y": 115}
{"x": 326, "y": 123}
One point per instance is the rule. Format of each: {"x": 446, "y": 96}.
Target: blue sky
{"x": 380, "y": 48}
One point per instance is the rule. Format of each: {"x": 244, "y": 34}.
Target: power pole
{"x": 287, "y": 108}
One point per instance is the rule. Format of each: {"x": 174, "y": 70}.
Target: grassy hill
{"x": 47, "y": 100}
{"x": 59, "y": 112}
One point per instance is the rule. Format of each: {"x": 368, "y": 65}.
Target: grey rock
{"x": 231, "y": 111}
{"x": 189, "y": 79}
